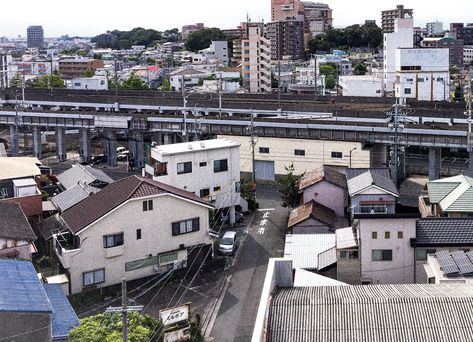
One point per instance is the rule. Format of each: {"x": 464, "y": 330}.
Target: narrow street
{"x": 265, "y": 240}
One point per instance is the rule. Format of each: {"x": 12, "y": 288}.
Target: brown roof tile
{"x": 327, "y": 173}
{"x": 92, "y": 208}
{"x": 315, "y": 210}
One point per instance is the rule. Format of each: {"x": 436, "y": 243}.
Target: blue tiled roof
{"x": 64, "y": 317}
{"x": 20, "y": 288}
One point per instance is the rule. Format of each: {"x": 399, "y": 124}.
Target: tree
{"x": 458, "y": 94}
{"x": 202, "y": 39}
{"x": 16, "y": 81}
{"x": 135, "y": 83}
{"x": 49, "y": 81}
{"x": 289, "y": 187}
{"x": 360, "y": 69}
{"x": 330, "y": 82}
{"x": 89, "y": 73}
{"x": 327, "y": 69}
{"x": 166, "y": 86}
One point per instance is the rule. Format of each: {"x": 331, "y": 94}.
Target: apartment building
{"x": 218, "y": 50}
{"x": 388, "y": 17}
{"x": 287, "y": 39}
{"x": 188, "y": 29}
{"x": 434, "y": 28}
{"x": 5, "y": 61}
{"x": 284, "y": 9}
{"x": 317, "y": 18}
{"x": 35, "y": 37}
{"x": 77, "y": 67}
{"x": 210, "y": 169}
{"x": 131, "y": 229}
{"x": 468, "y": 55}
{"x": 256, "y": 60}
{"x": 463, "y": 32}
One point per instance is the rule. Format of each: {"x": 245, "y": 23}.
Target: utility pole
{"x": 469, "y": 111}
{"x": 253, "y": 143}
{"x": 279, "y": 85}
{"x": 396, "y": 147}
{"x": 184, "y": 131}
{"x": 220, "y": 94}
{"x": 315, "y": 77}
{"x": 124, "y": 309}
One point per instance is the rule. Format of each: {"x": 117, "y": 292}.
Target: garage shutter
{"x": 264, "y": 170}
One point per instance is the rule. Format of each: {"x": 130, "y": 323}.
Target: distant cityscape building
{"x": 4, "y": 61}
{"x": 35, "y": 37}
{"x": 284, "y": 9}
{"x": 388, "y": 17}
{"x": 317, "y": 18}
{"x": 455, "y": 47}
{"x": 463, "y": 32}
{"x": 218, "y": 50}
{"x": 468, "y": 55}
{"x": 73, "y": 68}
{"x": 287, "y": 39}
{"x": 434, "y": 28}
{"x": 188, "y": 29}
{"x": 256, "y": 59}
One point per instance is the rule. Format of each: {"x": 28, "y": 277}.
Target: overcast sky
{"x": 91, "y": 17}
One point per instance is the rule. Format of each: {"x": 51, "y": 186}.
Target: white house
{"x": 367, "y": 86}
{"x": 88, "y": 83}
{"x": 133, "y": 228}
{"x": 210, "y": 169}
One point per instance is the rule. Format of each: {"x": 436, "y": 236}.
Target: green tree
{"x": 360, "y": 69}
{"x": 327, "y": 69}
{"x": 16, "y": 81}
{"x": 203, "y": 38}
{"x": 89, "y": 73}
{"x": 166, "y": 86}
{"x": 135, "y": 83}
{"x": 330, "y": 82}
{"x": 458, "y": 94}
{"x": 289, "y": 187}
{"x": 49, "y": 81}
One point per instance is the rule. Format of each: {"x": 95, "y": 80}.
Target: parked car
{"x": 120, "y": 149}
{"x": 101, "y": 158}
{"x": 225, "y": 217}
{"x": 123, "y": 155}
{"x": 229, "y": 243}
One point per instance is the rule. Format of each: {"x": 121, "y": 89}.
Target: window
{"x": 138, "y": 234}
{"x": 247, "y": 59}
{"x": 202, "y": 164}
{"x": 93, "y": 277}
{"x": 382, "y": 254}
{"x": 421, "y": 254}
{"x": 400, "y": 235}
{"x": 184, "y": 168}
{"x": 348, "y": 254}
{"x": 299, "y": 152}
{"x": 220, "y": 165}
{"x": 337, "y": 155}
{"x": 110, "y": 241}
{"x": 184, "y": 227}
{"x": 373, "y": 208}
{"x": 420, "y": 79}
{"x": 374, "y": 235}
{"x": 407, "y": 91}
{"x": 387, "y": 235}
{"x": 264, "y": 150}
{"x": 168, "y": 258}
{"x": 204, "y": 192}
{"x": 439, "y": 79}
{"x": 147, "y": 205}
{"x": 217, "y": 188}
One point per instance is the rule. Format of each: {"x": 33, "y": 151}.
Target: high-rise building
{"x": 256, "y": 59}
{"x": 463, "y": 32}
{"x": 35, "y": 37}
{"x": 188, "y": 29}
{"x": 434, "y": 28}
{"x": 285, "y": 9}
{"x": 317, "y": 17}
{"x": 287, "y": 39}
{"x": 389, "y": 16}
{"x": 4, "y": 61}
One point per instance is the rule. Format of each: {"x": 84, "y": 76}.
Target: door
{"x": 264, "y": 170}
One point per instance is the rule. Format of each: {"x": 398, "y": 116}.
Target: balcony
{"x": 157, "y": 170}
{"x": 66, "y": 246}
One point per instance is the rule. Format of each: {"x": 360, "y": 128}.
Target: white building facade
{"x": 218, "y": 50}
{"x": 88, "y": 83}
{"x": 364, "y": 86}
{"x": 468, "y": 55}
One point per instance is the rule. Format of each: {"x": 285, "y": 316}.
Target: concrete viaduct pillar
{"x": 14, "y": 140}
{"x": 470, "y": 164}
{"x": 84, "y": 139}
{"x": 434, "y": 163}
{"x": 136, "y": 147}
{"x": 110, "y": 146}
{"x": 37, "y": 142}
{"x": 61, "y": 143}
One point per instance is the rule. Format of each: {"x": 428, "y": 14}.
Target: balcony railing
{"x": 65, "y": 247}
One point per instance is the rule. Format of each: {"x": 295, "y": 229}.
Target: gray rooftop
{"x": 383, "y": 171}
{"x": 72, "y": 196}
{"x": 453, "y": 194}
{"x": 13, "y": 223}
{"x": 388, "y": 313}
{"x": 85, "y": 174}
{"x": 365, "y": 180}
{"x": 444, "y": 232}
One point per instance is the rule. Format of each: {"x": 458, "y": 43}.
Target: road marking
{"x": 260, "y": 231}
{"x": 269, "y": 209}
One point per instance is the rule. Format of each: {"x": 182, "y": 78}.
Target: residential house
{"x": 321, "y": 309}
{"x": 434, "y": 234}
{"x": 371, "y": 192}
{"x": 348, "y": 263}
{"x": 454, "y": 267}
{"x": 133, "y": 228}
{"x": 326, "y": 186}
{"x": 448, "y": 197}
{"x": 29, "y": 310}
{"x": 16, "y": 235}
{"x": 314, "y": 218}
{"x": 210, "y": 169}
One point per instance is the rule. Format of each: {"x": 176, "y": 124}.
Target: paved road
{"x": 265, "y": 240}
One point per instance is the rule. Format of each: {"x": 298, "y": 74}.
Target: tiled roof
{"x": 453, "y": 194}
{"x": 323, "y": 173}
{"x": 315, "y": 210}
{"x": 20, "y": 288}
{"x": 85, "y": 174}
{"x": 369, "y": 178}
{"x": 444, "y": 231}
{"x": 389, "y": 313}
{"x": 304, "y": 249}
{"x": 64, "y": 317}
{"x": 94, "y": 207}
{"x": 382, "y": 171}
{"x": 13, "y": 223}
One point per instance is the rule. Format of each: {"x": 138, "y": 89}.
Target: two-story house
{"x": 210, "y": 169}
{"x": 371, "y": 192}
{"x": 133, "y": 228}
{"x": 448, "y": 197}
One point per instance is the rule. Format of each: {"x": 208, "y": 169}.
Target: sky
{"x": 92, "y": 17}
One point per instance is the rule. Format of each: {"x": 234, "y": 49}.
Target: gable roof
{"x": 368, "y": 179}
{"x": 13, "y": 223}
{"x": 326, "y": 173}
{"x": 64, "y": 317}
{"x": 84, "y": 174}
{"x": 315, "y": 210}
{"x": 20, "y": 288}
{"x": 444, "y": 232}
{"x": 453, "y": 194}
{"x": 353, "y": 172}
{"x": 94, "y": 207}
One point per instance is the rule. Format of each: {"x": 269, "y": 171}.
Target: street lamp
{"x": 351, "y": 153}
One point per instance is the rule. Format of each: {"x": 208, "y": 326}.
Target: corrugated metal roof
{"x": 64, "y": 317}
{"x": 72, "y": 196}
{"x": 85, "y": 174}
{"x": 20, "y": 288}
{"x": 304, "y": 249}
{"x": 388, "y": 313}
